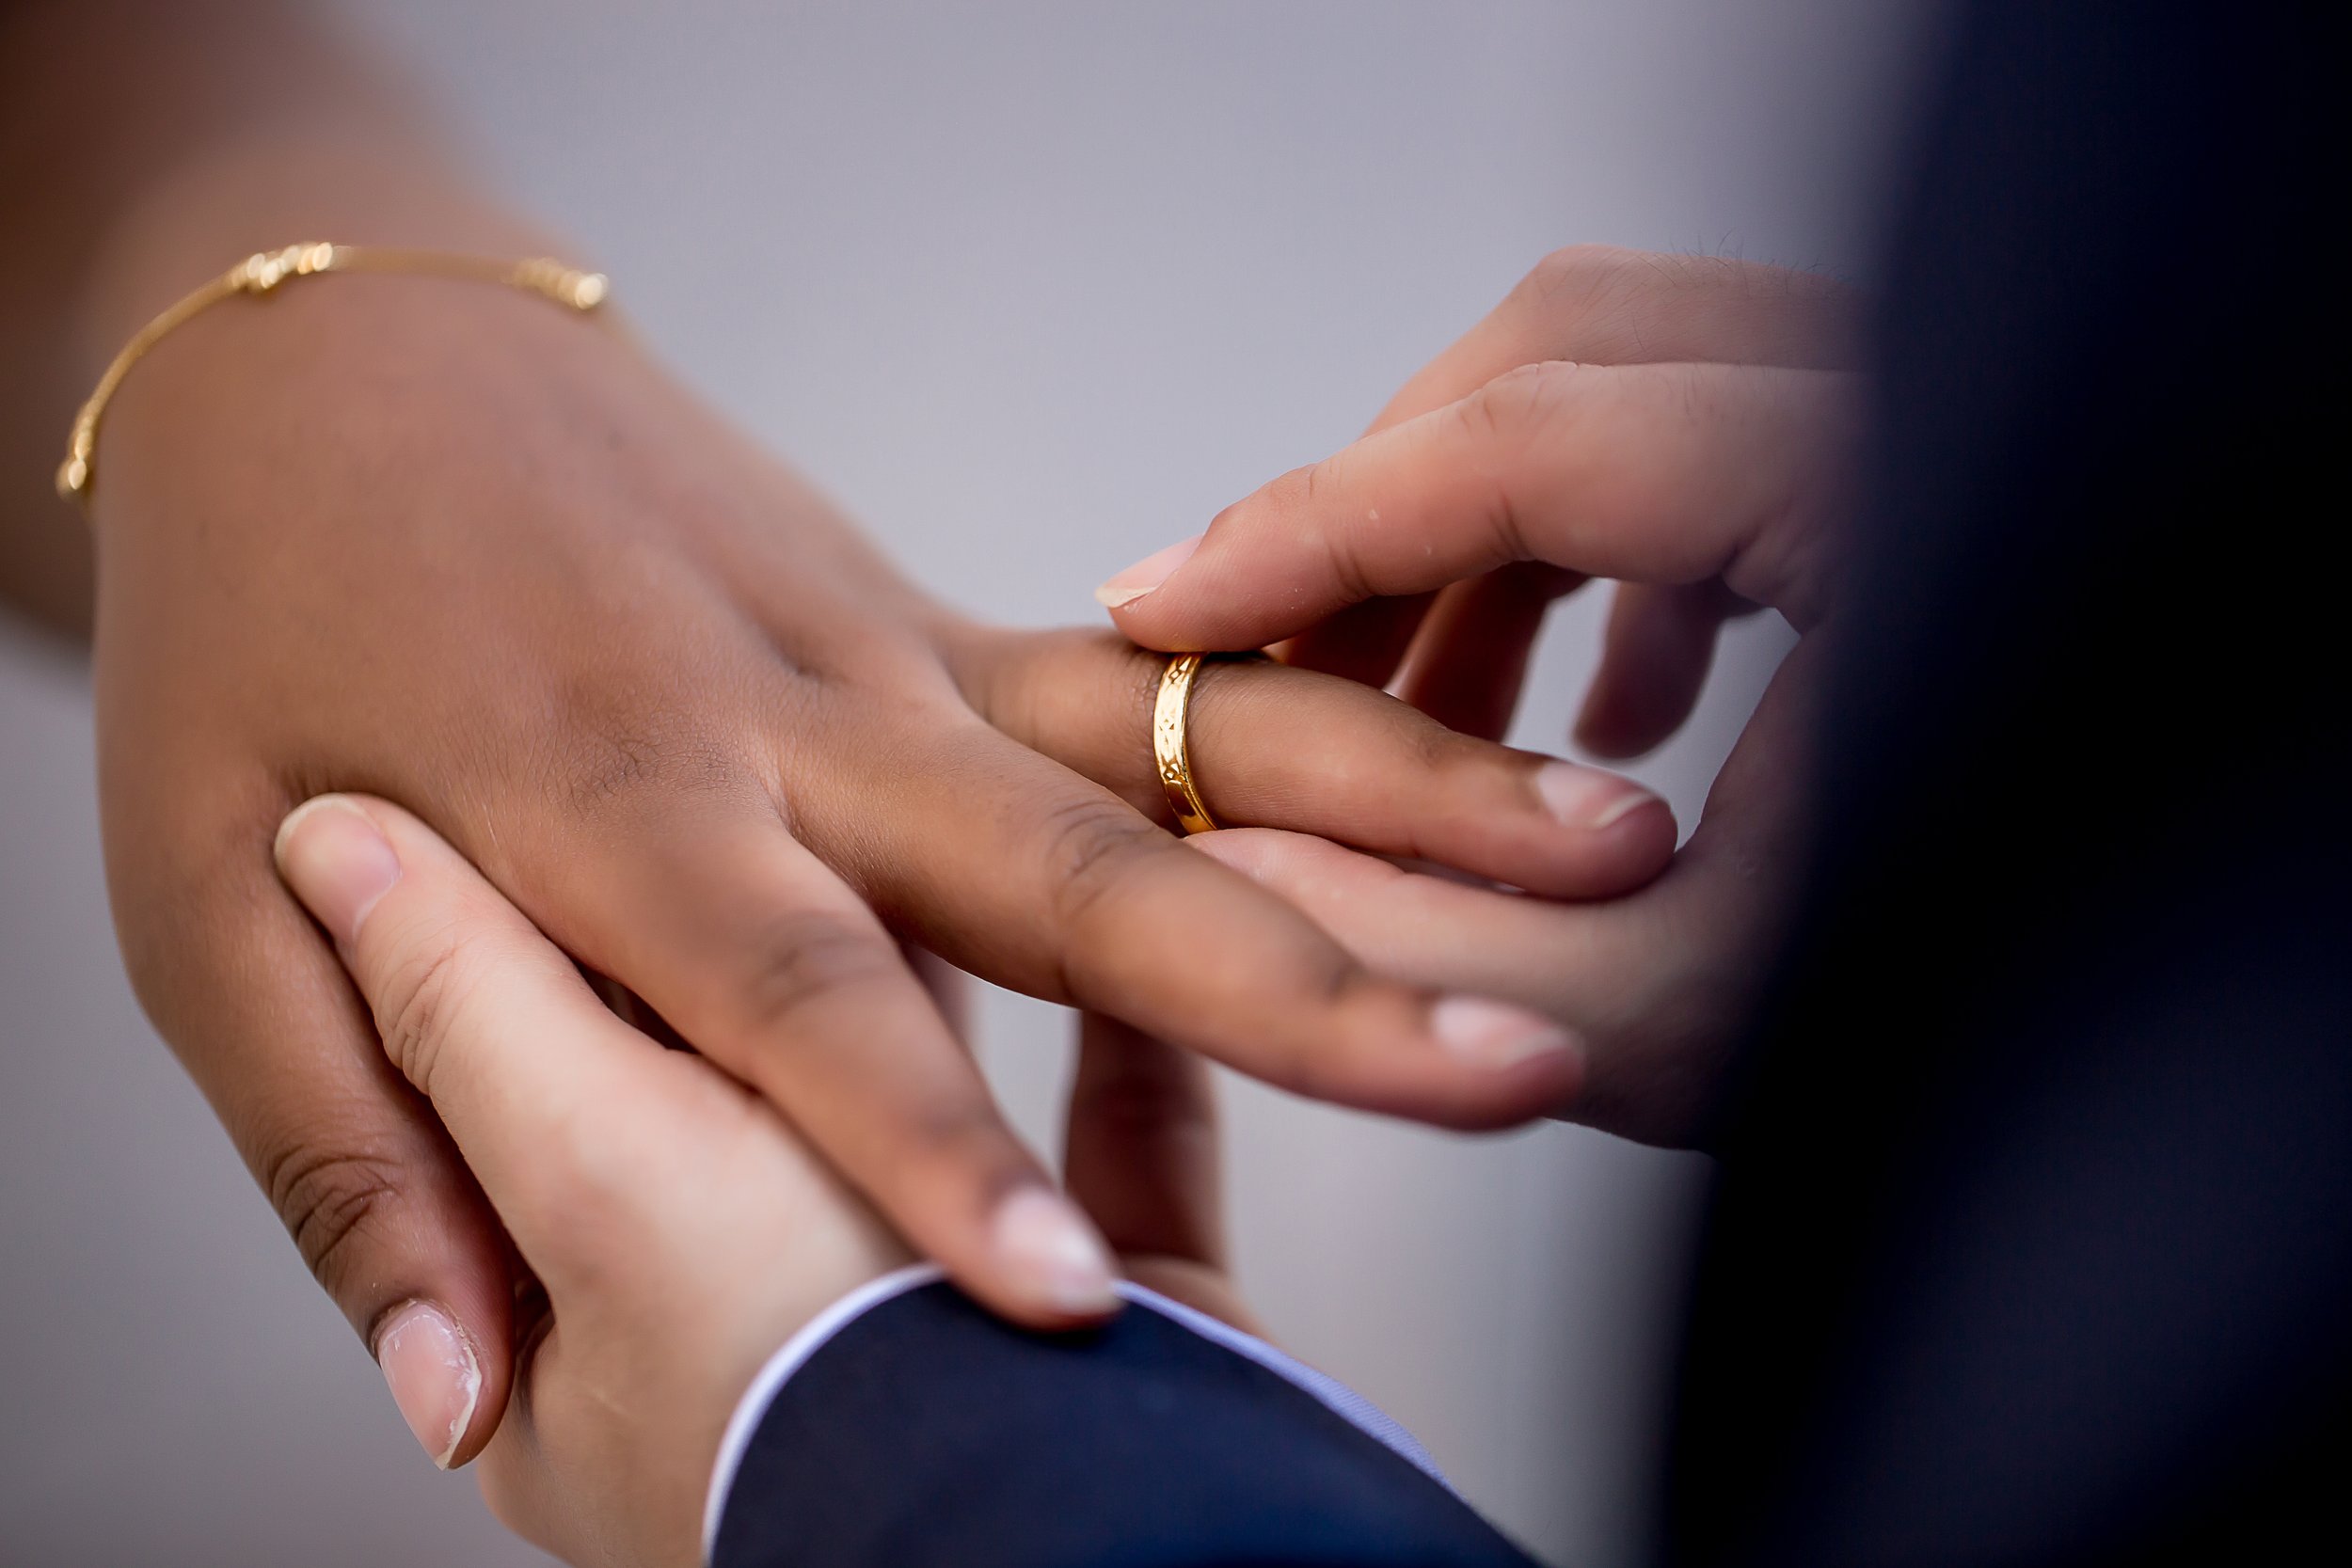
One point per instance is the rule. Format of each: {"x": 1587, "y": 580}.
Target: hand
{"x": 458, "y": 549}
{"x": 1676, "y": 425}
{"x": 673, "y": 1230}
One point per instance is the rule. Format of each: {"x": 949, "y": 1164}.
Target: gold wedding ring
{"x": 1169, "y": 749}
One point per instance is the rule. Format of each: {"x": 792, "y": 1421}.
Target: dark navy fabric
{"x": 2033, "y": 1236}
{"x": 927, "y": 1433}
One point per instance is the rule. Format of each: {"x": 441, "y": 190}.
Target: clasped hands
{"x": 653, "y": 711}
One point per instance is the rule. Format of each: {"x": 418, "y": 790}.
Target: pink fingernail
{"x": 433, "y": 1375}
{"x": 1146, "y": 574}
{"x": 1588, "y": 797}
{"x": 1045, "y": 1241}
{"x": 1495, "y": 1034}
{"x": 337, "y": 861}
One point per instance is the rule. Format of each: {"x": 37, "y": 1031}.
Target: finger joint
{"x": 330, "y": 1201}
{"x": 803, "y": 960}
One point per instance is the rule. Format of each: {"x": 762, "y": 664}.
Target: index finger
{"x": 1647, "y": 473}
{"x": 1593, "y": 305}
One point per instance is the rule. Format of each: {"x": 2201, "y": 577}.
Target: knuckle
{"x": 1135, "y": 674}
{"x": 804, "y": 959}
{"x": 1486, "y": 418}
{"x": 1314, "y": 1075}
{"x": 966, "y": 1138}
{"x": 1222, "y": 710}
{"x": 1314, "y": 485}
{"x": 1321, "y": 1073}
{"x": 421, "y": 1002}
{"x": 614, "y": 755}
{"x": 1324, "y": 1060}
{"x": 1092, "y": 846}
{"x": 1514, "y": 403}
{"x": 1503, "y": 424}
{"x": 331, "y": 1202}
{"x": 1060, "y": 686}
{"x": 1431, "y": 752}
{"x": 1322, "y": 491}
{"x": 1573, "y": 273}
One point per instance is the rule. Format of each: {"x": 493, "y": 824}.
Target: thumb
{"x": 484, "y": 1016}
{"x": 368, "y": 1184}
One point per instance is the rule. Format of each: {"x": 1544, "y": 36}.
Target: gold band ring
{"x": 1169, "y": 749}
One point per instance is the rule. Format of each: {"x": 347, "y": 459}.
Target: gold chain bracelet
{"x": 262, "y": 272}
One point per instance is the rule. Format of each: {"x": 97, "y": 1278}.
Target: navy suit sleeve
{"x": 927, "y": 1433}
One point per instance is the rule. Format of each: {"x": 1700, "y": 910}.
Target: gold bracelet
{"x": 263, "y": 271}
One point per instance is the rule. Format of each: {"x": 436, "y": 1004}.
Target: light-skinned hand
{"x": 1676, "y": 424}
{"x": 669, "y": 1230}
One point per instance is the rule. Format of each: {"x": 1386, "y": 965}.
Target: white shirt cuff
{"x": 753, "y": 1407}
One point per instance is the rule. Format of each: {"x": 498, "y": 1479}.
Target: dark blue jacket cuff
{"x": 928, "y": 1432}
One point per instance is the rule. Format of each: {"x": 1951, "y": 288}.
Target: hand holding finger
{"x": 479, "y": 1013}
{"x": 1653, "y": 982}
{"x": 1274, "y": 746}
{"x": 1068, "y": 893}
{"x": 635, "y": 1180}
{"x": 1605, "y": 969}
{"x": 1590, "y": 304}
{"x": 763, "y": 957}
{"x": 368, "y": 1184}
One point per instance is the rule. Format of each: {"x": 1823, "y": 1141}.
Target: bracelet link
{"x": 262, "y": 271}
{"x": 74, "y": 473}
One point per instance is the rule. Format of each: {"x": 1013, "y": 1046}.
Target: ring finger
{"x": 1272, "y": 745}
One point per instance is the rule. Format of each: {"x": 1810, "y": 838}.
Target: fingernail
{"x": 1146, "y": 574}
{"x": 433, "y": 1375}
{"x": 1588, "y": 797}
{"x": 337, "y": 861}
{"x": 1056, "y": 1252}
{"x": 1495, "y": 1034}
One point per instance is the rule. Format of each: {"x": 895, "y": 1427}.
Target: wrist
{"x": 357, "y": 179}
{"x": 109, "y": 105}
{"x": 256, "y": 190}
{"x": 273, "y": 406}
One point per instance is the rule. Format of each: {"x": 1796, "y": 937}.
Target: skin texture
{"x": 451, "y": 546}
{"x": 1676, "y": 424}
{"x": 637, "y": 1181}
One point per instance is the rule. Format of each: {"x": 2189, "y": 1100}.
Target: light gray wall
{"x": 1033, "y": 290}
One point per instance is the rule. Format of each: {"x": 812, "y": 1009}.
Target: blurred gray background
{"x": 1033, "y": 290}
